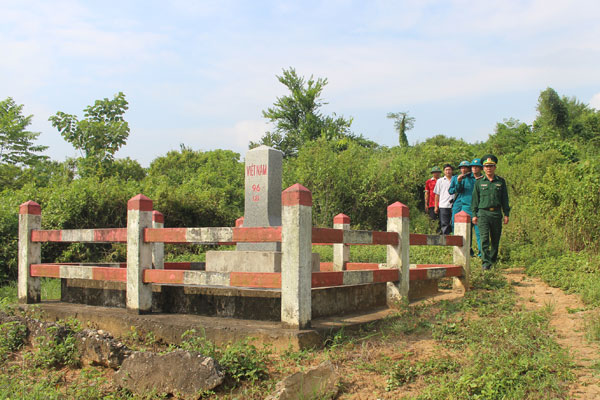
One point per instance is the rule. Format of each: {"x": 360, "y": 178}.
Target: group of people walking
{"x": 479, "y": 192}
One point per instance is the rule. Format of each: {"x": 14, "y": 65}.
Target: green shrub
{"x": 12, "y": 337}
{"x": 241, "y": 361}
{"x": 57, "y": 349}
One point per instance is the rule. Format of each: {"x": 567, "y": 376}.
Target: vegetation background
{"x": 551, "y": 168}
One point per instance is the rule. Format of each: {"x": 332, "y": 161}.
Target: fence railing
{"x": 145, "y": 236}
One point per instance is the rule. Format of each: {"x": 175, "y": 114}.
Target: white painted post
{"x": 158, "y": 249}
{"x": 29, "y": 288}
{"x": 296, "y": 258}
{"x": 398, "y": 256}
{"x": 341, "y": 252}
{"x": 139, "y": 254}
{"x": 462, "y": 254}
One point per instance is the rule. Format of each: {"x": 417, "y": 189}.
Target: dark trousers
{"x": 490, "y": 230}
{"x": 446, "y": 220}
{"x": 434, "y": 217}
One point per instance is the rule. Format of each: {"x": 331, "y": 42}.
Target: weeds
{"x": 592, "y": 327}
{"x": 241, "y": 361}
{"x": 57, "y": 349}
{"x": 12, "y": 338}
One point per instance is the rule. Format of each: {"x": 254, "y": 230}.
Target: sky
{"x": 199, "y": 73}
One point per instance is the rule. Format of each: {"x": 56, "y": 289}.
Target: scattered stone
{"x": 97, "y": 348}
{"x": 181, "y": 373}
{"x": 320, "y": 382}
{"x": 94, "y": 347}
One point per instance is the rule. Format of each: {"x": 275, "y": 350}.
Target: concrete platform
{"x": 169, "y": 327}
{"x": 230, "y": 302}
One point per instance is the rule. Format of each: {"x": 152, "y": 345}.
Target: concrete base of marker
{"x": 250, "y": 261}
{"x": 229, "y": 302}
{"x": 421, "y": 289}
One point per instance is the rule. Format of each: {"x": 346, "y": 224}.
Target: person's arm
{"x": 475, "y": 203}
{"x": 426, "y": 198}
{"x": 453, "y": 185}
{"x": 504, "y": 201}
{"x": 437, "y": 203}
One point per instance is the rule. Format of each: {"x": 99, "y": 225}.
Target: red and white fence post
{"x": 296, "y": 258}
{"x": 29, "y": 287}
{"x": 341, "y": 251}
{"x": 139, "y": 254}
{"x": 398, "y": 255}
{"x": 461, "y": 254}
{"x": 158, "y": 249}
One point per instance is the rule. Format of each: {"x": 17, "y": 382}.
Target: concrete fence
{"x": 145, "y": 236}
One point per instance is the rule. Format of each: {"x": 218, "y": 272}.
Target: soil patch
{"x": 568, "y": 320}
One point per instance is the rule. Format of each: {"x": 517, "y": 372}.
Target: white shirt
{"x": 441, "y": 188}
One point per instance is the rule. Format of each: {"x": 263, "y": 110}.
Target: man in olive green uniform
{"x": 490, "y": 201}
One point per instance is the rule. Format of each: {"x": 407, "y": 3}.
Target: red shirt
{"x": 429, "y": 185}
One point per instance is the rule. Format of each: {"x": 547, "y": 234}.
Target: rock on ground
{"x": 320, "y": 382}
{"x": 181, "y": 373}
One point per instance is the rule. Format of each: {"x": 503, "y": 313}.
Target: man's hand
{"x": 505, "y": 219}
{"x": 474, "y": 220}
{"x": 436, "y": 209}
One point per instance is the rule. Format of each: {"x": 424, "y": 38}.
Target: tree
{"x": 16, "y": 143}
{"x": 553, "y": 115}
{"x": 297, "y": 119}
{"x": 101, "y": 133}
{"x": 402, "y": 123}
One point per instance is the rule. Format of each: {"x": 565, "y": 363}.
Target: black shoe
{"x": 486, "y": 267}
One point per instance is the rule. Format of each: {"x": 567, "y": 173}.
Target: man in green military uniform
{"x": 489, "y": 203}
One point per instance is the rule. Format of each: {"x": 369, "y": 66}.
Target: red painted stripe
{"x": 454, "y": 240}
{"x": 109, "y": 274}
{"x": 386, "y": 275}
{"x": 257, "y": 234}
{"x": 324, "y": 279}
{"x": 165, "y": 235}
{"x": 454, "y": 270}
{"x": 419, "y": 274}
{"x": 163, "y": 276}
{"x": 385, "y": 238}
{"x": 326, "y": 267}
{"x": 341, "y": 219}
{"x": 158, "y": 217}
{"x": 46, "y": 236}
{"x": 361, "y": 266}
{"x": 116, "y": 235}
{"x": 397, "y": 210}
{"x": 186, "y": 266}
{"x": 417, "y": 239}
{"x": 139, "y": 202}
{"x": 327, "y": 235}
{"x": 434, "y": 265}
{"x": 296, "y": 195}
{"x": 462, "y": 217}
{"x": 45, "y": 270}
{"x": 270, "y": 280}
{"x": 30, "y": 207}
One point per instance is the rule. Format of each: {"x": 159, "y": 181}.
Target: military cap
{"x": 476, "y": 162}
{"x": 464, "y": 164}
{"x": 489, "y": 159}
{"x": 435, "y": 169}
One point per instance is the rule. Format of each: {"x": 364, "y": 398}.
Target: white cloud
{"x": 595, "y": 101}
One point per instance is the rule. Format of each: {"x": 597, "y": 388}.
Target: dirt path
{"x": 568, "y": 321}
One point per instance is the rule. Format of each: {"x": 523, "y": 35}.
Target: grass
{"x": 480, "y": 346}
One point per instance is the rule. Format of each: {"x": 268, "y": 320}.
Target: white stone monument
{"x": 262, "y": 205}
